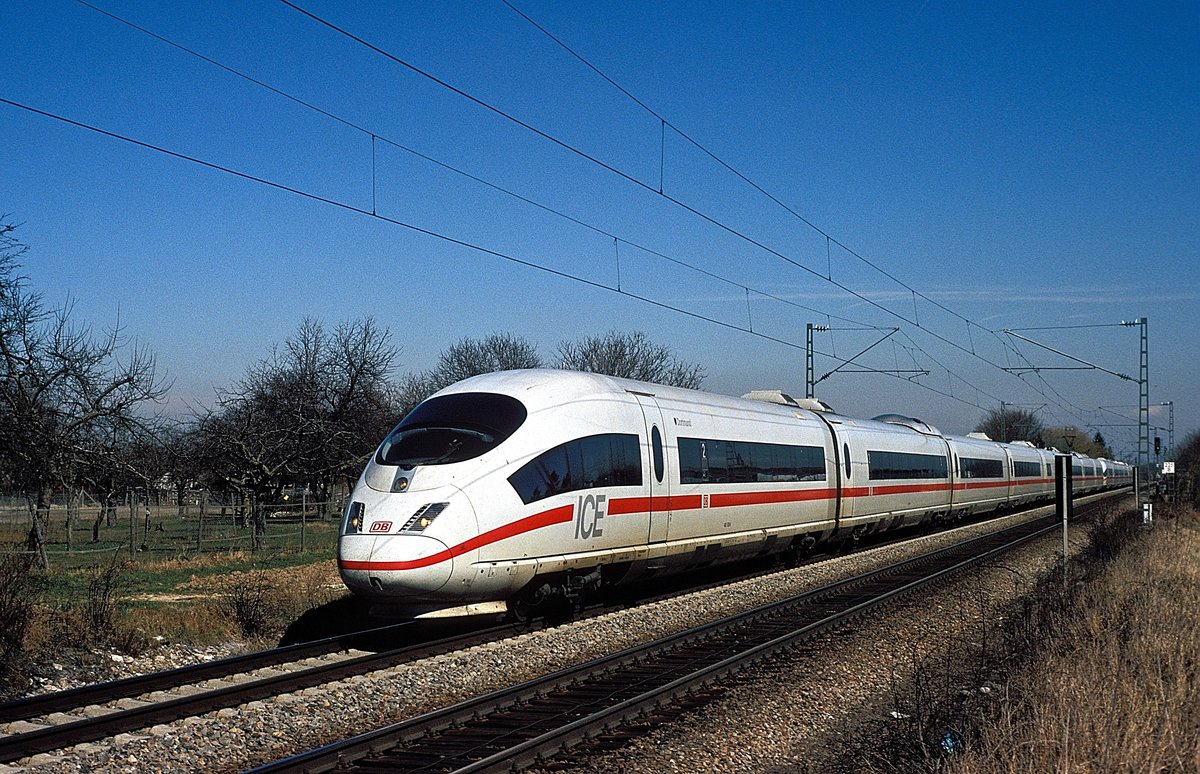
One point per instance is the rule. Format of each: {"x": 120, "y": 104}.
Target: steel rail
{"x": 76, "y": 698}
{"x": 528, "y": 750}
{"x": 550, "y": 743}
{"x": 19, "y": 745}
{"x": 16, "y": 746}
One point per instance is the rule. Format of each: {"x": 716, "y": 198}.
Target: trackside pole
{"x": 1137, "y": 487}
{"x": 1062, "y": 501}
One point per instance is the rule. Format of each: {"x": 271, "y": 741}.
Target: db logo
{"x": 381, "y": 526}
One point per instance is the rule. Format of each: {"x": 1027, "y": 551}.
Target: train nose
{"x": 395, "y": 565}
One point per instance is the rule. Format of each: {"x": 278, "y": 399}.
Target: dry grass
{"x": 262, "y": 603}
{"x": 102, "y": 611}
{"x": 1101, "y": 677}
{"x": 1116, "y": 685}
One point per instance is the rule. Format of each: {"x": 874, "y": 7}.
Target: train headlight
{"x": 424, "y": 517}
{"x": 354, "y": 518}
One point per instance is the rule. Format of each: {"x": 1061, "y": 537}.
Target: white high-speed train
{"x": 522, "y": 487}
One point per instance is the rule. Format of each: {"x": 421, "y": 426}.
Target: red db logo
{"x": 381, "y": 526}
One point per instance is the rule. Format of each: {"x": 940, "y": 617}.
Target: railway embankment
{"x": 236, "y": 738}
{"x": 1008, "y": 670}
{"x": 915, "y": 687}
{"x": 1102, "y": 675}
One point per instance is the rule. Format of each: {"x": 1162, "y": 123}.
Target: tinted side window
{"x": 586, "y": 463}
{"x": 892, "y": 465}
{"x": 656, "y": 451}
{"x": 973, "y": 467}
{"x": 706, "y": 461}
{"x": 1027, "y": 469}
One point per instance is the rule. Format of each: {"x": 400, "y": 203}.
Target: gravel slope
{"x": 777, "y": 720}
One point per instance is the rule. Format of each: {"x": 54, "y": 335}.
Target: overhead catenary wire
{"x": 665, "y": 122}
{"x": 376, "y": 136}
{"x": 663, "y": 125}
{"x": 417, "y": 229}
{"x": 674, "y": 200}
{"x": 599, "y": 162}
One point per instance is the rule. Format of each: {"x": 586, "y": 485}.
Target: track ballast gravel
{"x": 779, "y": 718}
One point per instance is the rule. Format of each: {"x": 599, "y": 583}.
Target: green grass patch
{"x": 169, "y": 575}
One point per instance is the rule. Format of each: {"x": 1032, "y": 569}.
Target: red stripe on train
{"x": 620, "y": 506}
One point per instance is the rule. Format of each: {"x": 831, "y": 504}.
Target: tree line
{"x": 79, "y": 407}
{"x": 1011, "y": 423}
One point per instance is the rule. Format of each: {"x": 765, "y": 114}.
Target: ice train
{"x": 518, "y": 488}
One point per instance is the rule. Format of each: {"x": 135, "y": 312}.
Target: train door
{"x": 1010, "y": 473}
{"x": 842, "y": 469}
{"x": 659, "y": 503}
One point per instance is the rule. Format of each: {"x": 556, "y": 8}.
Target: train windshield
{"x": 451, "y": 428}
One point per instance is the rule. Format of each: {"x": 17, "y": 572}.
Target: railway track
{"x": 75, "y": 698}
{"x": 55, "y": 721}
{"x": 531, "y": 722}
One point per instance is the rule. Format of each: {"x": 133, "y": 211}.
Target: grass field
{"x": 152, "y": 534}
{"x": 187, "y": 579}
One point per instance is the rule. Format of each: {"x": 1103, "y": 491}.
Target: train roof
{"x": 541, "y": 388}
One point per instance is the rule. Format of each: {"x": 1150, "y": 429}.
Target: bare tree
{"x": 303, "y": 417}
{"x": 466, "y": 358}
{"x": 1069, "y": 438}
{"x": 122, "y": 458}
{"x": 1010, "y": 423}
{"x": 62, "y": 386}
{"x": 632, "y": 356}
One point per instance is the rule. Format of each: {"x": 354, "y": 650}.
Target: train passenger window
{"x": 1026, "y": 469}
{"x": 706, "y": 461}
{"x": 657, "y": 452}
{"x": 893, "y": 465}
{"x": 586, "y": 463}
{"x": 451, "y": 428}
{"x": 973, "y": 467}
{"x": 846, "y": 457}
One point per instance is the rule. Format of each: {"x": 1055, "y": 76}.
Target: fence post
{"x": 303, "y": 517}
{"x": 146, "y": 523}
{"x": 200, "y": 526}
{"x": 132, "y": 526}
{"x": 71, "y": 507}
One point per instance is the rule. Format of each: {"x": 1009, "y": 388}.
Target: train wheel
{"x": 547, "y": 603}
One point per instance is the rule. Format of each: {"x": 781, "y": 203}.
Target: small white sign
{"x": 1168, "y": 467}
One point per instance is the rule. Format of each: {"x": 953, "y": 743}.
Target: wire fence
{"x": 150, "y": 527}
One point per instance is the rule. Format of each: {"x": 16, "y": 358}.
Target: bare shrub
{"x": 100, "y": 608}
{"x": 265, "y": 603}
{"x": 310, "y": 587}
{"x": 251, "y": 601}
{"x": 19, "y": 587}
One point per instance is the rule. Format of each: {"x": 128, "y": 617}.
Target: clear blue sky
{"x": 1024, "y": 164}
